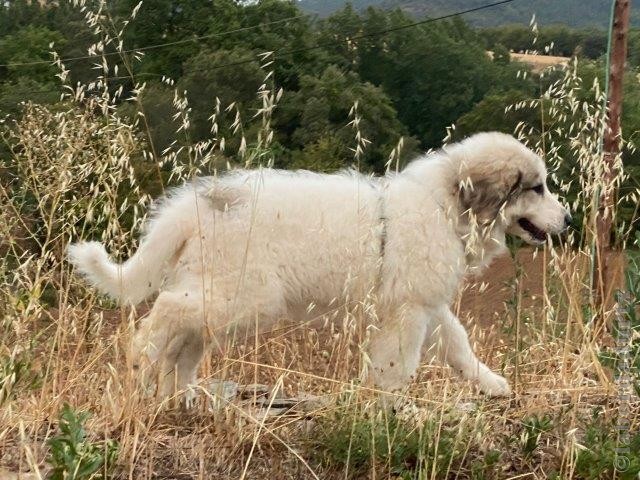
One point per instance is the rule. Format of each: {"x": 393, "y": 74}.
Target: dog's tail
{"x": 143, "y": 273}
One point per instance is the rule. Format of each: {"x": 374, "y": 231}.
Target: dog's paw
{"x": 494, "y": 385}
{"x": 189, "y": 398}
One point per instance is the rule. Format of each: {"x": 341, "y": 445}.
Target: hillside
{"x": 591, "y": 12}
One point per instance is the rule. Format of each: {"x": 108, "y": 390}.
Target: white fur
{"x": 266, "y": 243}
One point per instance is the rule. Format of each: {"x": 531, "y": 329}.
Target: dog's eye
{"x": 539, "y": 189}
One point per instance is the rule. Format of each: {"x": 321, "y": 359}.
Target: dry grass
{"x": 539, "y": 62}
{"x": 74, "y": 172}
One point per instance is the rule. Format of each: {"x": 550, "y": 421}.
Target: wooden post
{"x": 612, "y": 137}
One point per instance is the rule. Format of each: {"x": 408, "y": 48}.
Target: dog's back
{"x": 317, "y": 235}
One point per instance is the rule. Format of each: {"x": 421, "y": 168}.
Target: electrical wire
{"x": 353, "y": 38}
{"x": 278, "y": 53}
{"x": 156, "y": 46}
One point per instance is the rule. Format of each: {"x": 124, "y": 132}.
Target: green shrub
{"x": 388, "y": 445}
{"x": 533, "y": 428}
{"x": 73, "y": 456}
{"x": 16, "y": 370}
{"x": 598, "y": 457}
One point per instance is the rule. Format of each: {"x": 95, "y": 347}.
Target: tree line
{"x": 411, "y": 83}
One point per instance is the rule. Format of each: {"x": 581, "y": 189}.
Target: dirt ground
{"x": 484, "y": 298}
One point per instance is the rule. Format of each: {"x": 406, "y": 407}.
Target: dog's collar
{"x": 382, "y": 218}
{"x": 383, "y": 232}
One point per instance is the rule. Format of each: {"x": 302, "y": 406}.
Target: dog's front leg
{"x": 396, "y": 348}
{"x": 452, "y": 343}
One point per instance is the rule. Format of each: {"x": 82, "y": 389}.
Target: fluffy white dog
{"x": 259, "y": 245}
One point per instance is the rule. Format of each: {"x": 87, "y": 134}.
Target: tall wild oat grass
{"x": 75, "y": 171}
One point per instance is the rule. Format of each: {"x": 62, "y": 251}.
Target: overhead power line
{"x": 243, "y": 29}
{"x": 282, "y": 52}
{"x": 156, "y": 46}
{"x": 377, "y": 33}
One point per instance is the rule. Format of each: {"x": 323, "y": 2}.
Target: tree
{"x": 501, "y": 55}
{"x": 168, "y": 21}
{"x": 317, "y": 118}
{"x": 13, "y": 94}
{"x": 283, "y": 30}
{"x": 206, "y": 78}
{"x": 489, "y": 114}
{"x": 29, "y": 44}
{"x": 433, "y": 73}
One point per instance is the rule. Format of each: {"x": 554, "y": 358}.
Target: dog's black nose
{"x": 567, "y": 220}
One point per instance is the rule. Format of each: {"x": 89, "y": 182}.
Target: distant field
{"x": 539, "y": 62}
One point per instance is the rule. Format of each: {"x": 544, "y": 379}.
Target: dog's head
{"x": 500, "y": 180}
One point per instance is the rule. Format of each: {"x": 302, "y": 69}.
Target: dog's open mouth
{"x": 535, "y": 232}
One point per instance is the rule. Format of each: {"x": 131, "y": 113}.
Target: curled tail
{"x": 142, "y": 274}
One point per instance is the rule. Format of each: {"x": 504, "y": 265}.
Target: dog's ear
{"x": 484, "y": 191}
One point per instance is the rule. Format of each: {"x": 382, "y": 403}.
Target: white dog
{"x": 252, "y": 246}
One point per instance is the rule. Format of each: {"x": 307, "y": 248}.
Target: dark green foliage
{"x": 37, "y": 82}
{"x": 317, "y": 118}
{"x": 16, "y": 371}
{"x": 501, "y": 55}
{"x": 327, "y": 7}
{"x": 488, "y": 467}
{"x": 355, "y": 444}
{"x": 491, "y": 111}
{"x": 12, "y": 94}
{"x": 598, "y": 459}
{"x": 73, "y": 456}
{"x": 410, "y": 83}
{"x": 433, "y": 73}
{"x": 204, "y": 81}
{"x": 30, "y": 44}
{"x": 563, "y": 40}
{"x": 533, "y": 428}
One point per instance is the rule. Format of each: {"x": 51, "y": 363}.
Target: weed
{"x": 533, "y": 428}
{"x": 486, "y": 467}
{"x": 633, "y": 309}
{"x": 384, "y": 442}
{"x": 73, "y": 456}
{"x": 597, "y": 455}
{"x": 15, "y": 370}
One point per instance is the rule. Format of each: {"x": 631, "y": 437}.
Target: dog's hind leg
{"x": 452, "y": 343}
{"x": 170, "y": 342}
{"x": 180, "y": 363}
{"x": 172, "y": 339}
